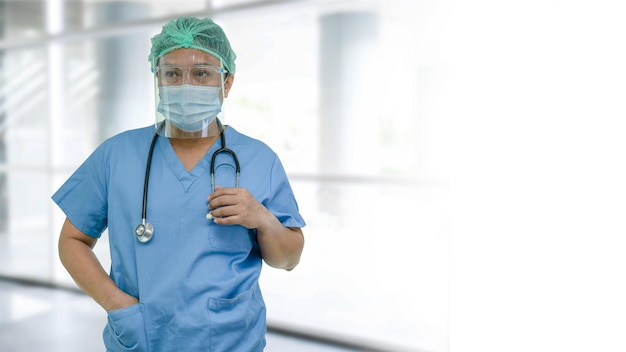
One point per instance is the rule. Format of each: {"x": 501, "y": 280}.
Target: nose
{"x": 186, "y": 76}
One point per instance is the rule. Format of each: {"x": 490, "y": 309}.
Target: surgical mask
{"x": 190, "y": 108}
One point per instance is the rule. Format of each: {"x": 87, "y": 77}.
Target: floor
{"x": 35, "y": 318}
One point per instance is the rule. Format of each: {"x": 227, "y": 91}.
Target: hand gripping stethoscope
{"x": 145, "y": 230}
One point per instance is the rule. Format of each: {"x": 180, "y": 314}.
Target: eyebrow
{"x": 195, "y": 64}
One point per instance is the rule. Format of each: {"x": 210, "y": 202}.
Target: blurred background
{"x": 350, "y": 94}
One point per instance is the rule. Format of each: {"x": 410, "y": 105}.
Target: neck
{"x": 193, "y": 143}
{"x": 197, "y": 142}
{"x": 191, "y": 150}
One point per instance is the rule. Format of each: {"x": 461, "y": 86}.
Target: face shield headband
{"x": 189, "y": 95}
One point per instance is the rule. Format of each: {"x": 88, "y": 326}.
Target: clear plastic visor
{"x": 189, "y": 94}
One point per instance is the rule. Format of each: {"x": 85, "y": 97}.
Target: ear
{"x": 228, "y": 84}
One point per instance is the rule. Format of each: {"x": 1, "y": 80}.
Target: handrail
{"x": 125, "y": 28}
{"x": 353, "y": 178}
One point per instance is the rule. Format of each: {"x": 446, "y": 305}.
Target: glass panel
{"x": 22, "y": 20}
{"x": 24, "y": 125}
{"x": 58, "y": 103}
{"x": 373, "y": 231}
{"x": 275, "y": 93}
{"x": 174, "y": 8}
{"x": 31, "y": 21}
{"x": 26, "y": 248}
{"x": 374, "y": 267}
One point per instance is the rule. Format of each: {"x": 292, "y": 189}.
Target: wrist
{"x": 119, "y": 301}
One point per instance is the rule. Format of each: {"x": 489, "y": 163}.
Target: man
{"x": 185, "y": 278}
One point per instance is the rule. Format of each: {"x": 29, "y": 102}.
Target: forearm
{"x": 83, "y": 266}
{"x": 281, "y": 247}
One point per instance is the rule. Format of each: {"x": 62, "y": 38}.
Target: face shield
{"x": 189, "y": 94}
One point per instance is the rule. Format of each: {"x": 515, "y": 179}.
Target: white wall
{"x": 538, "y": 178}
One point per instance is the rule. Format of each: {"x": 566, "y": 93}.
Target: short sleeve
{"x": 282, "y": 202}
{"x": 83, "y": 197}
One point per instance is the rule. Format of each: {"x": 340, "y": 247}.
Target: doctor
{"x": 192, "y": 284}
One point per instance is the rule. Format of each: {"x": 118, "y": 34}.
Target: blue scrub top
{"x": 197, "y": 282}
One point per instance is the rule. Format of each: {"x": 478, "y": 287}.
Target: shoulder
{"x": 124, "y": 145}
{"x": 132, "y": 136}
{"x": 129, "y": 140}
{"x": 236, "y": 138}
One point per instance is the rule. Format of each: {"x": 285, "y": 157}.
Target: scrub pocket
{"x": 125, "y": 330}
{"x": 238, "y": 324}
{"x": 230, "y": 238}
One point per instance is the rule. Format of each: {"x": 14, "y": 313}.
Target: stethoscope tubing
{"x": 223, "y": 149}
{"x": 145, "y": 230}
{"x": 146, "y": 179}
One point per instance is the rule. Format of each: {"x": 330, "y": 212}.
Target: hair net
{"x": 193, "y": 33}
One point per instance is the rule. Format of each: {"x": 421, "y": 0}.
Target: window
{"x": 348, "y": 95}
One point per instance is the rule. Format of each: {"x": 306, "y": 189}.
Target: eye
{"x": 171, "y": 75}
{"x": 205, "y": 75}
{"x": 202, "y": 73}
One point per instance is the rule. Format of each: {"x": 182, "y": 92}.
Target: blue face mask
{"x": 190, "y": 108}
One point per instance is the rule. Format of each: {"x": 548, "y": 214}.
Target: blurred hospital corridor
{"x": 460, "y": 167}
{"x": 349, "y": 94}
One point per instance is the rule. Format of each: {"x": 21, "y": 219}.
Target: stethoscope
{"x": 145, "y": 230}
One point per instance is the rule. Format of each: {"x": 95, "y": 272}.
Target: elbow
{"x": 287, "y": 264}
{"x": 292, "y": 265}
{"x": 294, "y": 259}
{"x": 285, "y": 256}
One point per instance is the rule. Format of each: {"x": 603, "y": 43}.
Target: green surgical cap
{"x": 193, "y": 33}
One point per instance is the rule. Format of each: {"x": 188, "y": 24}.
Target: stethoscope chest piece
{"x": 144, "y": 231}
